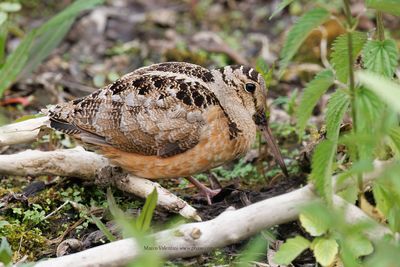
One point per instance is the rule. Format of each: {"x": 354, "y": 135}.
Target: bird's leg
{"x": 214, "y": 183}
{"x": 204, "y": 190}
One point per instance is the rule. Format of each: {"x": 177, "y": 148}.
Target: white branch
{"x": 228, "y": 228}
{"x": 86, "y": 165}
{"x": 22, "y": 132}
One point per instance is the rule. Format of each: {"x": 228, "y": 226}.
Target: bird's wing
{"x": 150, "y": 111}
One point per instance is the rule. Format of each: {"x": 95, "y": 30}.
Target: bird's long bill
{"x": 273, "y": 146}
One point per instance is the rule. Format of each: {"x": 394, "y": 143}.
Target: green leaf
{"x": 265, "y": 71}
{"x": 387, "y": 195}
{"x": 350, "y": 193}
{"x": 389, "y": 6}
{"x": 3, "y": 17}
{"x": 299, "y": 33}
{"x": 321, "y": 164}
{"x": 70, "y": 12}
{"x": 394, "y": 218}
{"x": 5, "y": 252}
{"x": 369, "y": 109}
{"x": 325, "y": 250}
{"x": 54, "y": 29}
{"x": 254, "y": 250}
{"x": 394, "y": 135}
{"x": 312, "y": 93}
{"x": 281, "y": 6}
{"x": 291, "y": 249}
{"x": 340, "y": 53}
{"x": 337, "y": 107}
{"x": 315, "y": 219}
{"x": 359, "y": 245}
{"x": 144, "y": 219}
{"x": 3, "y": 40}
{"x": 15, "y": 62}
{"x": 312, "y": 225}
{"x": 51, "y": 33}
{"x": 103, "y": 228}
{"x": 45, "y": 44}
{"x": 10, "y": 7}
{"x": 381, "y": 56}
{"x": 386, "y": 89}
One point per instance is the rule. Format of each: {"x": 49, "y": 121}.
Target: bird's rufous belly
{"x": 215, "y": 148}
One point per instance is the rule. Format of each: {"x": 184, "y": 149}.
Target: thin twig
{"x": 57, "y": 209}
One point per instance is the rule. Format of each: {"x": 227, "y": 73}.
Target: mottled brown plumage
{"x": 170, "y": 119}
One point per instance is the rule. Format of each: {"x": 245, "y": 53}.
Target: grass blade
{"x": 144, "y": 219}
{"x": 103, "y": 228}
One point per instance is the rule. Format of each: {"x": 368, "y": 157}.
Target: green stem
{"x": 379, "y": 26}
{"x": 352, "y": 88}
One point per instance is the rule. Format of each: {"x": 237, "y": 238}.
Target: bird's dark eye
{"x": 250, "y": 87}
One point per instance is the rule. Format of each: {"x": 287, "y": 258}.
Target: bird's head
{"x": 249, "y": 86}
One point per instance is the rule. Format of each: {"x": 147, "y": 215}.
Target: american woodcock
{"x": 171, "y": 119}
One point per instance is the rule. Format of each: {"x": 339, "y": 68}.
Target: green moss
{"x": 24, "y": 241}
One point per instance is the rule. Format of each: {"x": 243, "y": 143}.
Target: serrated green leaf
{"x": 299, "y": 33}
{"x": 337, "y": 107}
{"x": 144, "y": 219}
{"x": 291, "y": 249}
{"x": 394, "y": 135}
{"x": 3, "y": 17}
{"x": 387, "y": 195}
{"x": 321, "y": 173}
{"x": 315, "y": 218}
{"x": 254, "y": 250}
{"x": 340, "y": 54}
{"x": 312, "y": 93}
{"x": 369, "y": 109}
{"x": 389, "y": 6}
{"x": 10, "y": 7}
{"x": 386, "y": 89}
{"x": 5, "y": 252}
{"x": 325, "y": 250}
{"x": 265, "y": 71}
{"x": 381, "y": 56}
{"x": 359, "y": 245}
{"x": 314, "y": 226}
{"x": 281, "y": 6}
{"x": 394, "y": 218}
{"x": 350, "y": 193}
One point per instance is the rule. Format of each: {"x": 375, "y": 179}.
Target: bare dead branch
{"x": 86, "y": 165}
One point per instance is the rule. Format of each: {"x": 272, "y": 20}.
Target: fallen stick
{"x": 228, "y": 228}
{"x": 22, "y": 132}
{"x": 80, "y": 163}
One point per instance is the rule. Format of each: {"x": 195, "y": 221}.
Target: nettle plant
{"x": 361, "y": 71}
